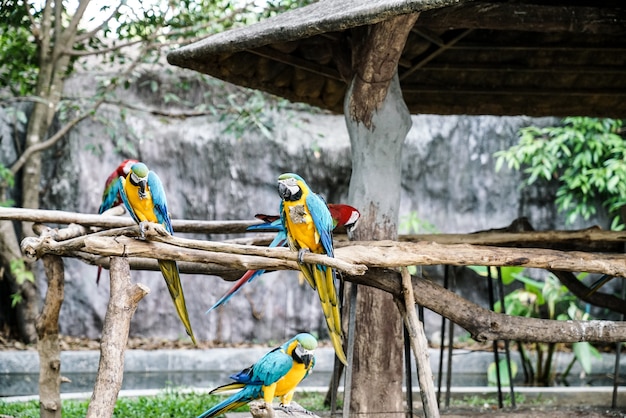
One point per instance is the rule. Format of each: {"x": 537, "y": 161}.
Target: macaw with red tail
{"x": 144, "y": 198}
{"x": 309, "y": 227}
{"x": 344, "y": 216}
{"x": 111, "y": 195}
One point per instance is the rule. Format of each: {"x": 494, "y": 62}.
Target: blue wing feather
{"x": 127, "y": 204}
{"x": 323, "y": 221}
{"x": 109, "y": 197}
{"x": 272, "y": 366}
{"x": 159, "y": 201}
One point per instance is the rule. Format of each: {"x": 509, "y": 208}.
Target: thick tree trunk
{"x": 378, "y": 122}
{"x": 375, "y": 190}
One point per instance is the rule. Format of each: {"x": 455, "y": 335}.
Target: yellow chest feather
{"x": 301, "y": 227}
{"x": 288, "y": 382}
{"x": 143, "y": 208}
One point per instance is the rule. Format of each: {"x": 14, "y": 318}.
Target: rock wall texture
{"x": 449, "y": 180}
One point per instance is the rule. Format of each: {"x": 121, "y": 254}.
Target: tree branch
{"x": 419, "y": 345}
{"x": 92, "y": 33}
{"x": 125, "y": 297}
{"x": 48, "y": 342}
{"x": 486, "y": 325}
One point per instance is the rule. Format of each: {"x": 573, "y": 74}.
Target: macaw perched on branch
{"x": 144, "y": 198}
{"x": 309, "y": 228}
{"x": 111, "y": 196}
{"x": 276, "y": 374}
{"x": 344, "y": 216}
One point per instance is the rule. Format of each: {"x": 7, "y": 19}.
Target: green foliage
{"x": 507, "y": 274}
{"x": 413, "y": 224}
{"x": 548, "y": 299}
{"x": 18, "y": 50}
{"x": 21, "y": 274}
{"x": 170, "y": 404}
{"x": 587, "y": 156}
{"x": 505, "y": 380}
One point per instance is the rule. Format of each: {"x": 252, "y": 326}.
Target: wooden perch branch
{"x": 419, "y": 345}
{"x": 166, "y": 247}
{"x": 48, "y": 340}
{"x": 486, "y": 325}
{"x": 125, "y": 297}
{"x": 104, "y": 221}
{"x": 388, "y": 254}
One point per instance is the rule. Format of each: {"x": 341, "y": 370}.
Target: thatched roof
{"x": 531, "y": 57}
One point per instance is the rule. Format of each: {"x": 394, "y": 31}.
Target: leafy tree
{"x": 43, "y": 42}
{"x": 587, "y": 156}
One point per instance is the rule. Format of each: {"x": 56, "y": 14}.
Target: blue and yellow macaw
{"x": 276, "y": 374}
{"x": 309, "y": 227}
{"x": 111, "y": 195}
{"x": 144, "y": 198}
{"x": 344, "y": 216}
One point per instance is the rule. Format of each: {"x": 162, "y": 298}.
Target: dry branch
{"x": 48, "y": 340}
{"x": 486, "y": 325}
{"x": 123, "y": 302}
{"x": 104, "y": 221}
{"x": 419, "y": 345}
{"x": 591, "y": 239}
{"x": 389, "y": 254}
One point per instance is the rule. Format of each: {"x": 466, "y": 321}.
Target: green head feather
{"x": 286, "y": 176}
{"x": 140, "y": 170}
{"x": 307, "y": 341}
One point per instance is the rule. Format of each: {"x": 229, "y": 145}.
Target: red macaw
{"x": 144, "y": 198}
{"x": 111, "y": 195}
{"x": 276, "y": 374}
{"x": 344, "y": 216}
{"x": 309, "y": 227}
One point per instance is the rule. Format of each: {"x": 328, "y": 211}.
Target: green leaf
{"x": 505, "y": 379}
{"x": 584, "y": 351}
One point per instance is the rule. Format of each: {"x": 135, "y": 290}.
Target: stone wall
{"x": 449, "y": 181}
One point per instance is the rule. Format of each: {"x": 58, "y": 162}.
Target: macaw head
{"x": 290, "y": 186}
{"x": 344, "y": 216}
{"x": 138, "y": 177}
{"x": 303, "y": 348}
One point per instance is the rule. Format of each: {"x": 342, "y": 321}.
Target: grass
{"x": 169, "y": 404}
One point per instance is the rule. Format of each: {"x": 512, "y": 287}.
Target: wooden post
{"x": 125, "y": 297}
{"x": 48, "y": 340}
{"x": 419, "y": 344}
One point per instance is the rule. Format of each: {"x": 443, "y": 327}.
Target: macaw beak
{"x": 283, "y": 191}
{"x": 287, "y": 192}
{"x": 143, "y": 183}
{"x": 303, "y": 356}
{"x": 307, "y": 359}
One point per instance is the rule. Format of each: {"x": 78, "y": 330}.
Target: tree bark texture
{"x": 48, "y": 343}
{"x": 377, "y": 120}
{"x": 125, "y": 297}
